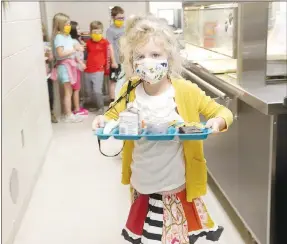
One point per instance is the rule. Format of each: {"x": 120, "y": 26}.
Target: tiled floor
{"x": 79, "y": 199}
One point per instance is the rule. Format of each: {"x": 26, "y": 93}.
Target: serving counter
{"x": 249, "y": 162}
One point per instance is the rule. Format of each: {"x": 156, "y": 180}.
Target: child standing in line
{"x": 99, "y": 54}
{"x": 114, "y": 33}
{"x": 65, "y": 71}
{"x": 168, "y": 178}
{"x": 75, "y": 34}
{"x": 49, "y": 60}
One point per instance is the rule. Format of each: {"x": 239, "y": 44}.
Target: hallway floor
{"x": 79, "y": 199}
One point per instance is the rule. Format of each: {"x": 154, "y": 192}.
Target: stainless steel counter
{"x": 266, "y": 99}
{"x": 249, "y": 161}
{"x": 243, "y": 161}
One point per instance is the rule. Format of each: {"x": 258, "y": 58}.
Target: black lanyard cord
{"x": 127, "y": 96}
{"x": 109, "y": 156}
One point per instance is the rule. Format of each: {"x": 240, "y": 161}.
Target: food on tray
{"x": 112, "y": 124}
{"x": 189, "y": 129}
{"x": 157, "y": 128}
{"x": 176, "y": 123}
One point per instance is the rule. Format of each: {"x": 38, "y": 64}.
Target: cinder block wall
{"x": 26, "y": 123}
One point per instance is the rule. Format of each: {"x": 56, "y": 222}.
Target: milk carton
{"x": 129, "y": 123}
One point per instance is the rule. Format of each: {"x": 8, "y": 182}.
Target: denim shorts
{"x": 63, "y": 75}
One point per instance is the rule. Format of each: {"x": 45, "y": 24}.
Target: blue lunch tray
{"x": 171, "y": 134}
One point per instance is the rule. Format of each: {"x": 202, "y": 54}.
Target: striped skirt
{"x": 168, "y": 219}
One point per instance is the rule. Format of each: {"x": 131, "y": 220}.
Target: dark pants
{"x": 51, "y": 94}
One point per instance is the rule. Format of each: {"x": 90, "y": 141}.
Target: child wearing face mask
{"x": 114, "y": 33}
{"x": 99, "y": 54}
{"x": 65, "y": 71}
{"x": 81, "y": 66}
{"x": 167, "y": 178}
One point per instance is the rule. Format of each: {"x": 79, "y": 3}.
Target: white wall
{"x": 26, "y": 123}
{"x": 86, "y": 12}
{"x": 277, "y": 41}
{"x": 168, "y": 12}
{"x": 154, "y": 6}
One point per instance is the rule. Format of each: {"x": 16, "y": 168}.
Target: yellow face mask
{"x": 67, "y": 29}
{"x": 96, "y": 37}
{"x": 119, "y": 23}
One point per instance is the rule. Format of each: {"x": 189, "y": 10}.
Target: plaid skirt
{"x": 168, "y": 219}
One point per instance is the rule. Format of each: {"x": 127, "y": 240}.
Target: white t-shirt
{"x": 157, "y": 165}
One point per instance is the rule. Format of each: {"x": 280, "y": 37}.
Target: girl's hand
{"x": 79, "y": 48}
{"x": 99, "y": 122}
{"x": 83, "y": 43}
{"x": 50, "y": 56}
{"x": 115, "y": 65}
{"x": 216, "y": 124}
{"x": 63, "y": 54}
{"x": 83, "y": 65}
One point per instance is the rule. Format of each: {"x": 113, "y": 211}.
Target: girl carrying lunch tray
{"x": 167, "y": 178}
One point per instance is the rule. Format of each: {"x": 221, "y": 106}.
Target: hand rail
{"x": 206, "y": 85}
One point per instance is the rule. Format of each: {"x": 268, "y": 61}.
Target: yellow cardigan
{"x": 191, "y": 102}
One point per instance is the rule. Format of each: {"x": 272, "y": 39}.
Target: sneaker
{"x": 82, "y": 111}
{"x": 53, "y": 118}
{"x": 72, "y": 118}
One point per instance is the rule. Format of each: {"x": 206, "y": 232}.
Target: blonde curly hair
{"x": 138, "y": 31}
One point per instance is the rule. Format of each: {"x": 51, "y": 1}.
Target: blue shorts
{"x": 63, "y": 75}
